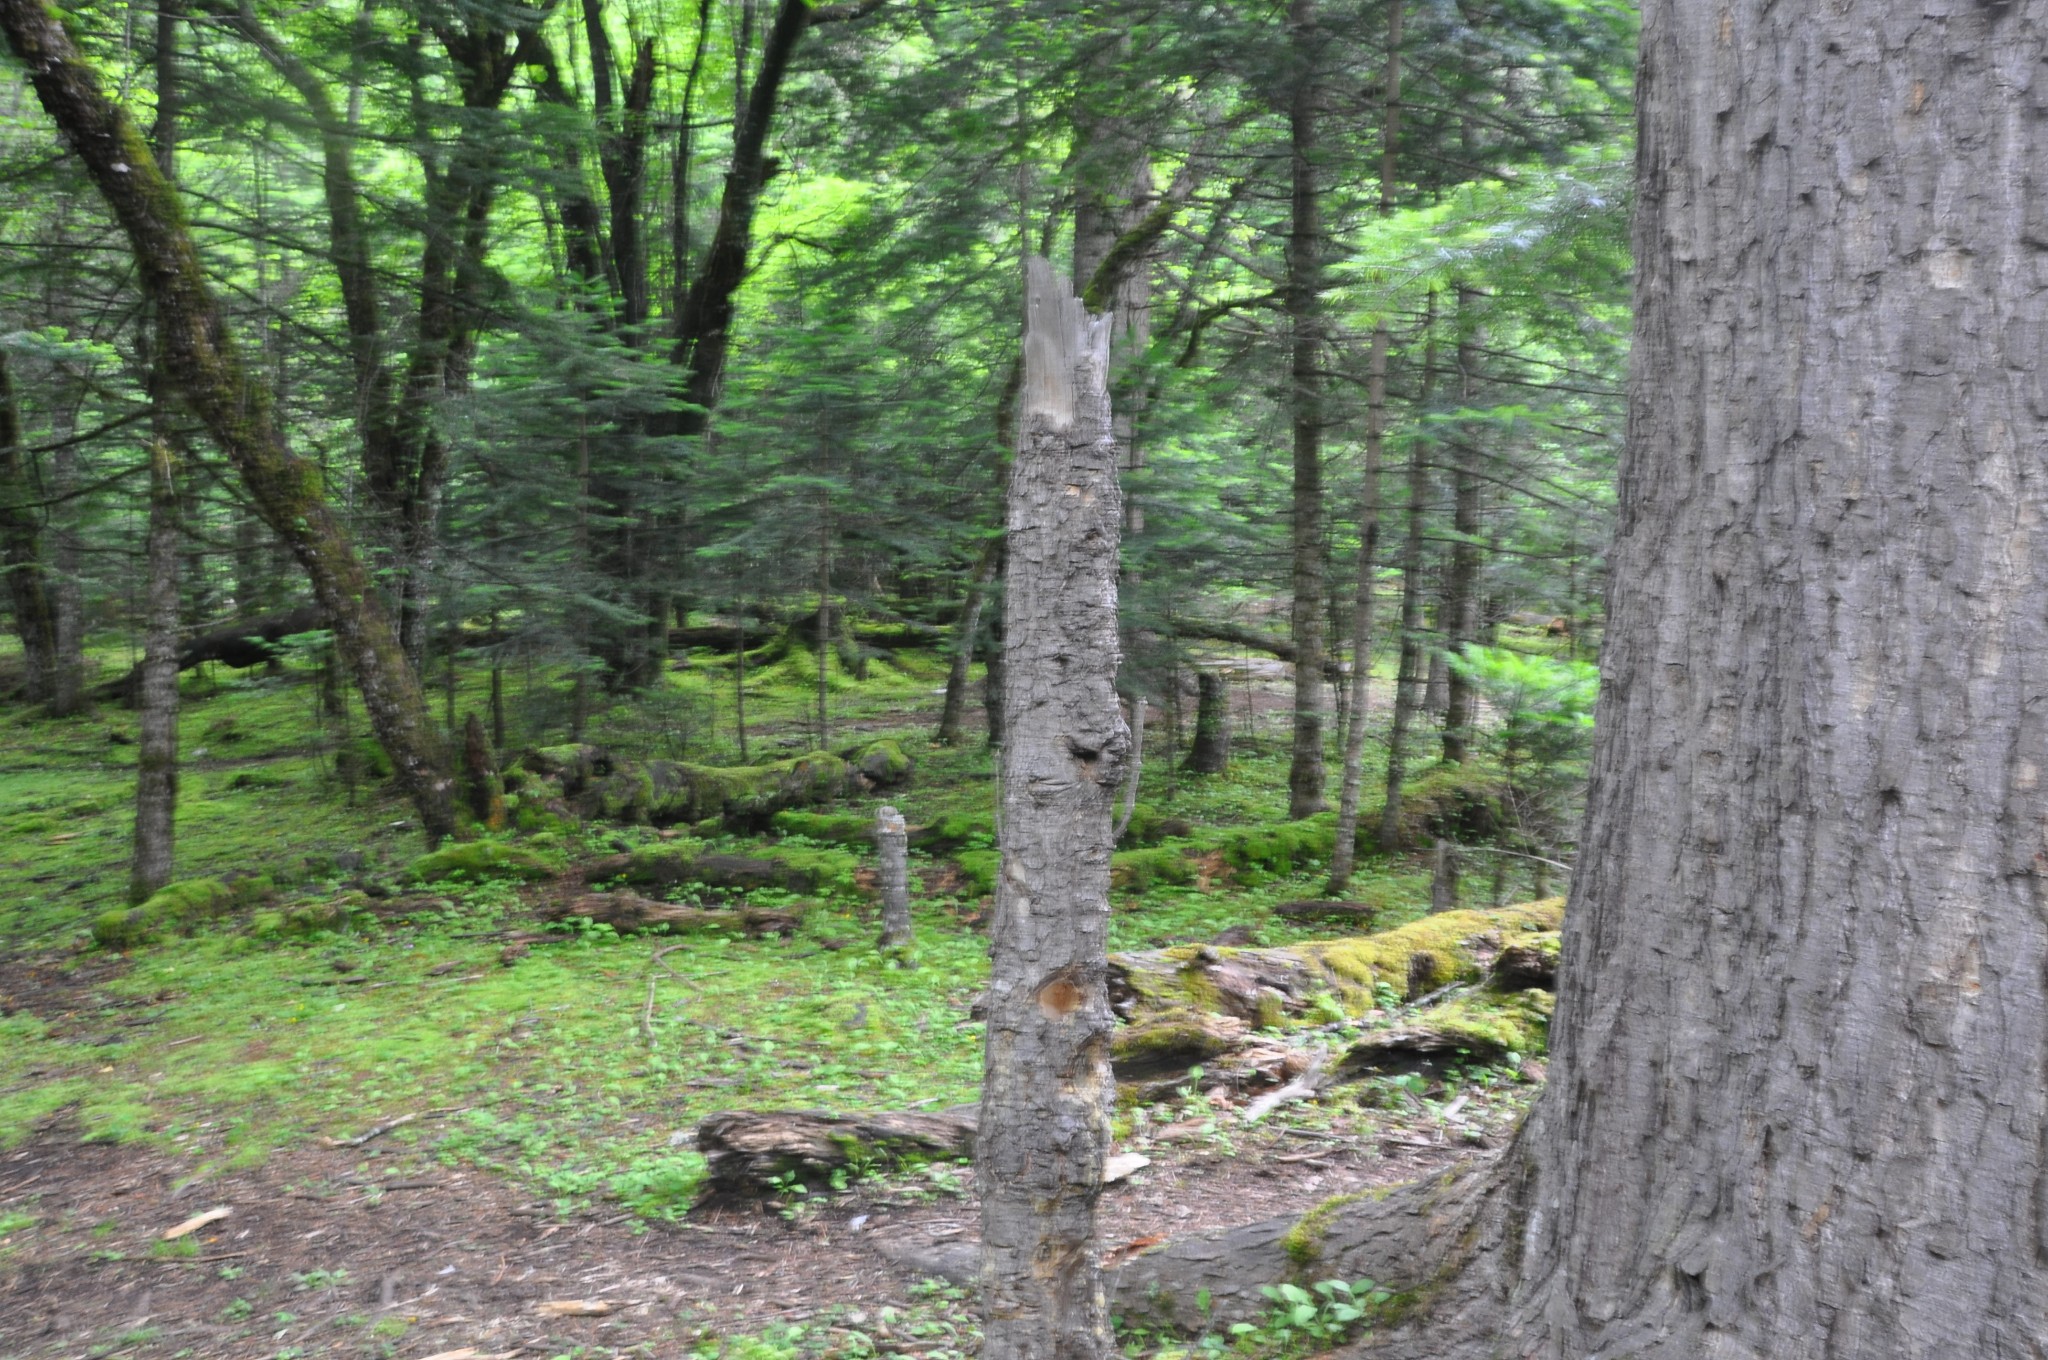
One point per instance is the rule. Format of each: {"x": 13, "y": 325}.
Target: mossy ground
{"x": 555, "y": 1069}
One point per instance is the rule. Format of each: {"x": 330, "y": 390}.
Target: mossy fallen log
{"x": 479, "y": 860}
{"x": 747, "y": 1153}
{"x": 1262, "y": 985}
{"x": 629, "y": 914}
{"x": 799, "y": 869}
{"x": 590, "y": 782}
{"x": 1475, "y": 1025}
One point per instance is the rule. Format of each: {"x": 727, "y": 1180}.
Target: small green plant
{"x": 183, "y": 1249}
{"x": 238, "y": 1310}
{"x": 320, "y": 1279}
{"x": 15, "y": 1222}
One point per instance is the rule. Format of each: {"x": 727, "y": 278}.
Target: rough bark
{"x": 201, "y": 362}
{"x": 1303, "y": 299}
{"x": 892, "y": 845}
{"x": 482, "y": 787}
{"x": 156, "y": 752}
{"x": 1047, "y": 1088}
{"x": 21, "y": 553}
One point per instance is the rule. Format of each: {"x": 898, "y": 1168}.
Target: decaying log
{"x": 1358, "y": 914}
{"x": 592, "y": 783}
{"x": 747, "y": 1152}
{"x": 241, "y": 645}
{"x": 1521, "y": 966}
{"x": 1262, "y": 986}
{"x": 628, "y": 914}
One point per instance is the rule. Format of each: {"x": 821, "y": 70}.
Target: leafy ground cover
{"x": 542, "y": 1084}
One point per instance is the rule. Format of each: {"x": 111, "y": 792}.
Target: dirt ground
{"x": 327, "y": 1252}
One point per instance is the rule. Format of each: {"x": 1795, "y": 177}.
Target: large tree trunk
{"x": 193, "y": 341}
{"x": 1304, "y": 301}
{"x": 1799, "y": 1104}
{"x": 156, "y": 752}
{"x": 1047, "y": 1090}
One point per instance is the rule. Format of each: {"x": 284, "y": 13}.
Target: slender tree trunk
{"x": 1303, "y": 294}
{"x": 21, "y": 553}
{"x": 1046, "y": 1091}
{"x": 1344, "y": 851}
{"x": 1414, "y": 667}
{"x": 825, "y": 623}
{"x": 200, "y": 360}
{"x": 67, "y": 585}
{"x": 1461, "y": 580}
{"x": 156, "y": 756}
{"x": 992, "y": 677}
{"x": 964, "y": 635}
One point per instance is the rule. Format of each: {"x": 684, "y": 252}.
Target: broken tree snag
{"x": 482, "y": 786}
{"x": 747, "y": 1152}
{"x": 1046, "y": 1088}
{"x": 892, "y": 841}
{"x": 629, "y": 913}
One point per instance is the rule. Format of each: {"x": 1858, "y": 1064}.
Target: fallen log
{"x": 747, "y": 1153}
{"x": 1531, "y": 963}
{"x": 592, "y": 783}
{"x": 1263, "y": 986}
{"x": 629, "y": 914}
{"x": 1358, "y": 914}
{"x": 243, "y": 644}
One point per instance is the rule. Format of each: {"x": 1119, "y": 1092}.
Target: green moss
{"x": 1363, "y": 960}
{"x": 187, "y": 903}
{"x": 1162, "y": 1043}
{"x": 319, "y": 918}
{"x": 1278, "y": 849}
{"x": 1137, "y": 870}
{"x": 1492, "y": 1024}
{"x": 978, "y": 871}
{"x": 1303, "y": 1242}
{"x": 797, "y": 868}
{"x": 126, "y": 928}
{"x": 955, "y": 832}
{"x": 251, "y": 890}
{"x": 839, "y": 828}
{"x": 884, "y": 764}
{"x": 481, "y": 860}
{"x": 1464, "y": 802}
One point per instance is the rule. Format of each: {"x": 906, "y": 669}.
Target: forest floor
{"x": 425, "y": 1138}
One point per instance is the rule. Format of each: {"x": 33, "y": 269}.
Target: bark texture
{"x": 1304, "y": 302}
{"x": 1798, "y": 1105}
{"x": 1209, "y": 753}
{"x": 1047, "y": 1089}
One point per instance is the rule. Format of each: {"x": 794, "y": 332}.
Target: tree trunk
{"x": 1345, "y": 850}
{"x": 21, "y": 554}
{"x": 1047, "y": 1090}
{"x": 156, "y": 754}
{"x": 1304, "y": 302}
{"x": 1209, "y": 753}
{"x": 1408, "y": 685}
{"x": 892, "y": 846}
{"x": 67, "y": 586}
{"x": 193, "y": 341}
{"x": 1461, "y": 579}
{"x": 963, "y": 647}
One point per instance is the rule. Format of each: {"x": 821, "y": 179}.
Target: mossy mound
{"x": 978, "y": 871}
{"x": 1465, "y": 802}
{"x": 957, "y": 832}
{"x": 181, "y": 906}
{"x": 126, "y": 928}
{"x": 1280, "y": 848}
{"x": 833, "y": 828}
{"x": 1137, "y": 870}
{"x": 480, "y": 860}
{"x": 1460, "y": 944}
